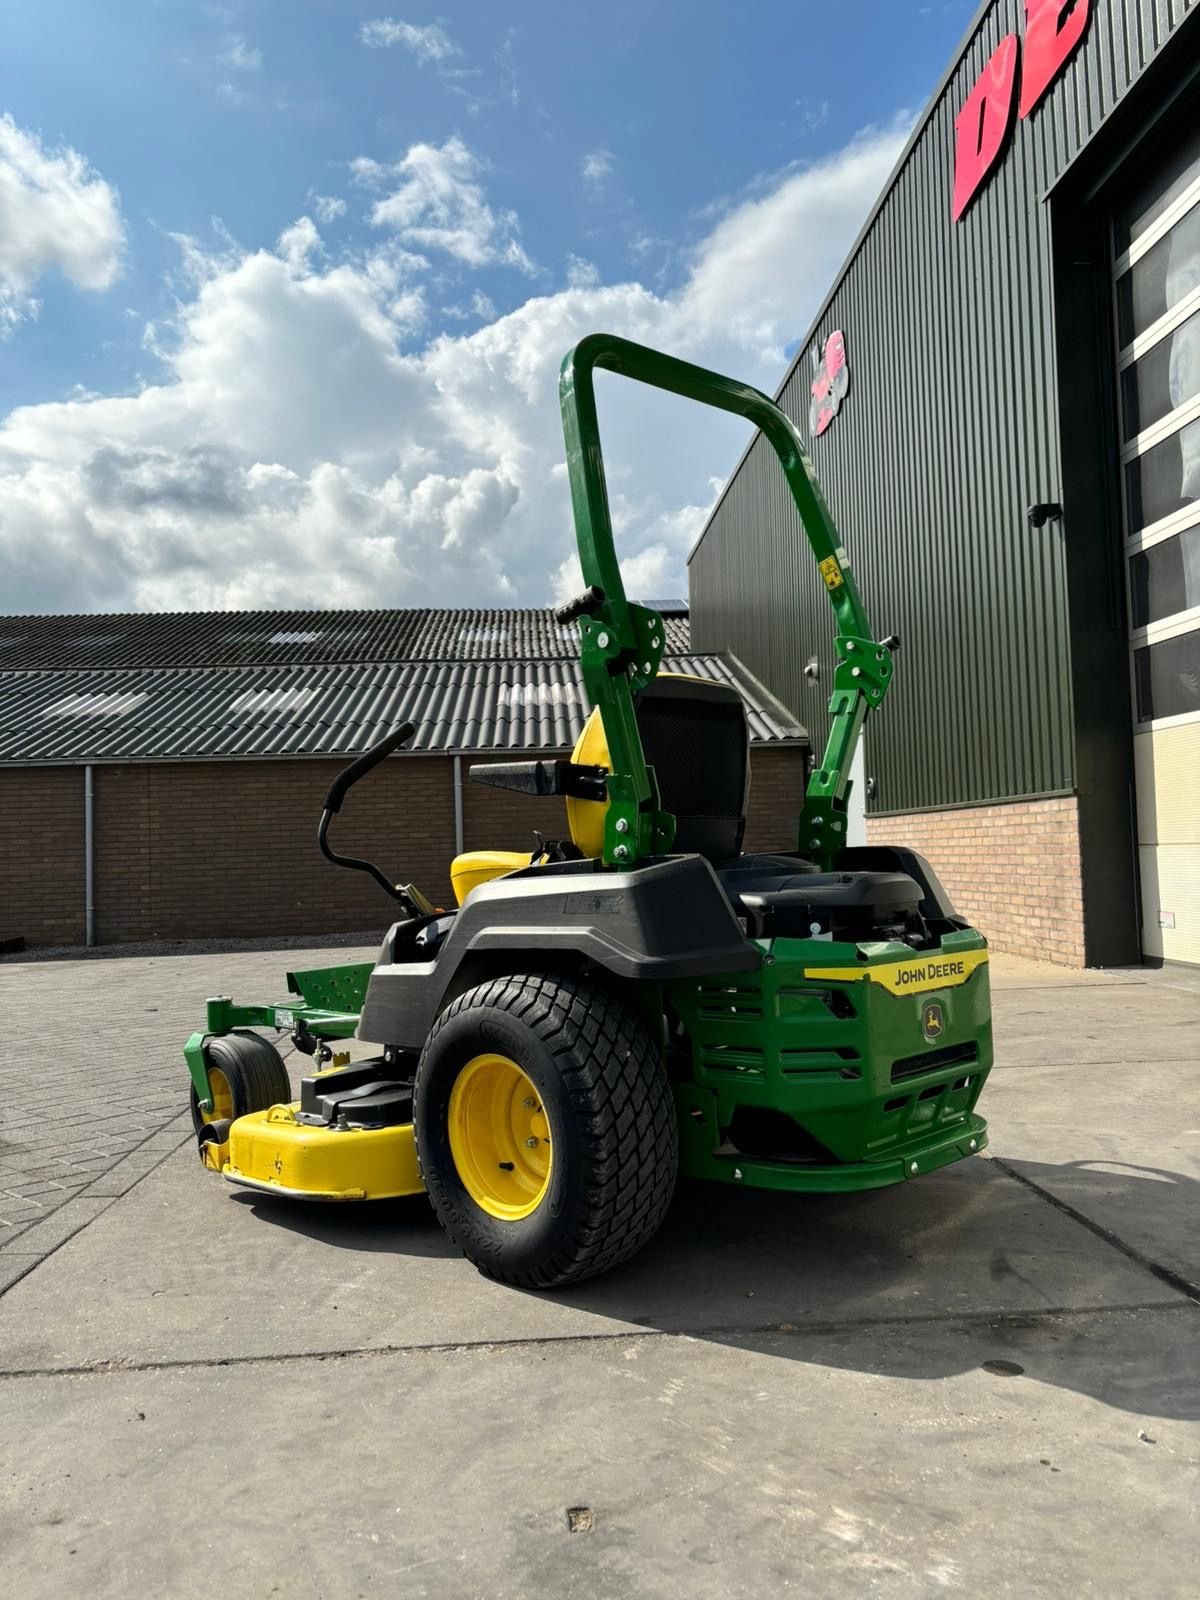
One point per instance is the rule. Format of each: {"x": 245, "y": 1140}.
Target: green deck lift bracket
{"x": 623, "y": 643}
{"x": 327, "y": 1002}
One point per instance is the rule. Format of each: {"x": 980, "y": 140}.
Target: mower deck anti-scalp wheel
{"x": 545, "y": 1128}
{"x": 245, "y": 1072}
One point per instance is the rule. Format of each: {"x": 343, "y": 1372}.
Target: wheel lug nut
{"x": 532, "y": 1143}
{"x": 529, "y": 1102}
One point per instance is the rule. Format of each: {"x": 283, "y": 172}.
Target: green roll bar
{"x": 622, "y": 643}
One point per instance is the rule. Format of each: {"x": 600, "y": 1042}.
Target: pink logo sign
{"x": 831, "y": 379}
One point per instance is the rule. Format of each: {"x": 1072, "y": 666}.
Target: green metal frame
{"x": 330, "y": 1000}
{"x": 824, "y": 1050}
{"x": 622, "y": 643}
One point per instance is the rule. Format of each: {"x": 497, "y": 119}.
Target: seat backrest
{"x": 695, "y": 735}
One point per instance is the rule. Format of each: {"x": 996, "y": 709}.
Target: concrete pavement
{"x": 90, "y": 1095}
{"x": 985, "y": 1381}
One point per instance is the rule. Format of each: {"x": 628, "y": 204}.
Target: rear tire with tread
{"x": 614, "y": 1135}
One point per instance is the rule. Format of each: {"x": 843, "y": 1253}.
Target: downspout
{"x": 89, "y": 857}
{"x": 458, "y": 807}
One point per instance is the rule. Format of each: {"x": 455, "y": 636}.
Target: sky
{"x": 284, "y": 288}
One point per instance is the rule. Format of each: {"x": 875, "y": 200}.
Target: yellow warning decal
{"x": 831, "y": 572}
{"x": 909, "y": 977}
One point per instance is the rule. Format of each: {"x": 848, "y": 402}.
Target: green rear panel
{"x": 873, "y": 1086}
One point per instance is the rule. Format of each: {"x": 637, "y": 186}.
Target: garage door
{"x": 1157, "y": 282}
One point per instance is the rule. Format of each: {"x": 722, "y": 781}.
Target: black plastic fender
{"x": 665, "y": 919}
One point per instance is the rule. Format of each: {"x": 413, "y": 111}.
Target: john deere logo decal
{"x": 932, "y": 1020}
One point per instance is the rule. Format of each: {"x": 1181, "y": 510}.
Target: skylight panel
{"x": 95, "y": 705}
{"x": 533, "y": 695}
{"x": 483, "y": 635}
{"x": 267, "y": 700}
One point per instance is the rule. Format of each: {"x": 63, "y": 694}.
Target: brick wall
{"x": 125, "y": 883}
{"x": 228, "y": 849}
{"x": 776, "y": 796}
{"x": 190, "y": 850}
{"x": 1012, "y": 870}
{"x": 41, "y": 855}
{"x": 499, "y": 819}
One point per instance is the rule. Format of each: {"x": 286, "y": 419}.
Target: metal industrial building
{"x": 1002, "y": 393}
{"x": 161, "y": 776}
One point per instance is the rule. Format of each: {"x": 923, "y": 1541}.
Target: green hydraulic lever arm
{"x": 622, "y": 644}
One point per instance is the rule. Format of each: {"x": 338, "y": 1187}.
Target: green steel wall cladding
{"x": 949, "y": 431}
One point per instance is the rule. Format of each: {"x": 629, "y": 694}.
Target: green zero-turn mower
{"x": 642, "y": 999}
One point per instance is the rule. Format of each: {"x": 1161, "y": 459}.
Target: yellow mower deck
{"x": 271, "y": 1152}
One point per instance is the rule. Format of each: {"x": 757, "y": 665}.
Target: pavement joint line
{"x": 732, "y": 1332}
{"x": 35, "y": 1261}
{"x": 1074, "y": 1066}
{"x": 1005, "y": 986}
{"x": 1043, "y": 988}
{"x": 1165, "y": 1274}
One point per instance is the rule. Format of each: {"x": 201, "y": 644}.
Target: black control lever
{"x": 360, "y": 767}
{"x": 333, "y": 804}
{"x": 582, "y": 606}
{"x": 892, "y": 642}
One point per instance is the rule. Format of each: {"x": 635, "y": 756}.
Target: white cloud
{"x": 241, "y": 56}
{"x": 55, "y": 211}
{"x": 763, "y": 242}
{"x": 437, "y": 202}
{"x": 581, "y": 273}
{"x": 812, "y": 114}
{"x": 596, "y": 166}
{"x": 655, "y": 569}
{"x": 328, "y": 207}
{"x": 307, "y": 446}
{"x": 428, "y": 44}
{"x": 297, "y": 243}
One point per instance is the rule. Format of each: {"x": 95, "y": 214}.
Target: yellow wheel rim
{"x": 500, "y": 1137}
{"x": 222, "y": 1097}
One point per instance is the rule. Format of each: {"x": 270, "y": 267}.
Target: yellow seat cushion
{"x": 474, "y": 867}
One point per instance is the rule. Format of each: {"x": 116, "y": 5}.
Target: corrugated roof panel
{"x": 285, "y": 638}
{"x": 183, "y": 715}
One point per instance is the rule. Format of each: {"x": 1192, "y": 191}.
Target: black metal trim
{"x": 540, "y": 777}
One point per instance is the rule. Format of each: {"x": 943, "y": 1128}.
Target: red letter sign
{"x": 1052, "y": 30}
{"x": 982, "y": 125}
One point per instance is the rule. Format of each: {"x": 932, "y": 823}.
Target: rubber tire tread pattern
{"x": 617, "y": 1085}
{"x": 254, "y": 1068}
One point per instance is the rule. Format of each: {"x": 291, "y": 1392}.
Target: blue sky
{"x": 284, "y": 287}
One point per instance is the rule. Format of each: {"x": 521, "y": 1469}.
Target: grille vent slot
{"x": 951, "y": 1055}
{"x": 726, "y": 1002}
{"x": 827, "y": 1061}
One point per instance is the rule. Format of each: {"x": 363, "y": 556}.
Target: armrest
{"x": 543, "y": 777}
